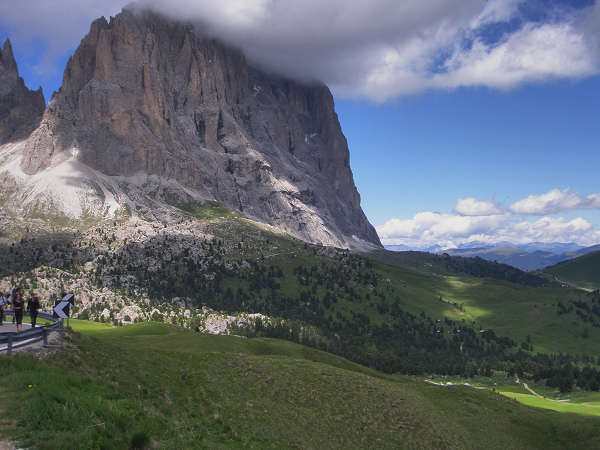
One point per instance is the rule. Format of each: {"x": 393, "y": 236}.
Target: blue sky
{"x": 470, "y": 123}
{"x": 473, "y": 142}
{"x": 424, "y": 152}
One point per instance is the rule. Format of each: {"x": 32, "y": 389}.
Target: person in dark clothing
{"x": 32, "y": 306}
{"x": 3, "y": 301}
{"x": 17, "y": 304}
{"x": 10, "y": 299}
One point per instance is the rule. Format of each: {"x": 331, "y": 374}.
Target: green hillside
{"x": 507, "y": 308}
{"x": 152, "y": 385}
{"x": 412, "y": 313}
{"x": 583, "y": 271}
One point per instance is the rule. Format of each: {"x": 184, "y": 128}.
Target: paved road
{"x": 53, "y": 339}
{"x": 8, "y": 326}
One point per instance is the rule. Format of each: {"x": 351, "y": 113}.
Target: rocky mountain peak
{"x": 20, "y": 108}
{"x": 151, "y": 102}
{"x": 8, "y": 65}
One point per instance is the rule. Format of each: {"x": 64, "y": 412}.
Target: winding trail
{"x": 531, "y": 390}
{"x": 478, "y": 387}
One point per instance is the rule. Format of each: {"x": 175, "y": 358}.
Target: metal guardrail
{"x": 11, "y": 340}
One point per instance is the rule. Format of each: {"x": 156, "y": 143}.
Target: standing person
{"x": 10, "y": 302}
{"x": 18, "y": 304}
{"x": 2, "y": 303}
{"x": 32, "y": 306}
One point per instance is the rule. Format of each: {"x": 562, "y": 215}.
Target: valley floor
{"x": 578, "y": 402}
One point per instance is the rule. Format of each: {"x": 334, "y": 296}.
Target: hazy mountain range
{"x": 532, "y": 256}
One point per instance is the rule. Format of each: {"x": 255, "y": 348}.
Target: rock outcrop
{"x": 144, "y": 97}
{"x": 20, "y": 108}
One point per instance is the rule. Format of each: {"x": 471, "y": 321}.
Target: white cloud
{"x": 556, "y": 229}
{"x": 379, "y": 49}
{"x": 59, "y": 25}
{"x": 478, "y": 222}
{"x": 429, "y": 228}
{"x": 592, "y": 201}
{"x": 473, "y": 207}
{"x": 531, "y": 54}
{"x": 548, "y": 226}
{"x": 554, "y": 201}
{"x": 448, "y": 231}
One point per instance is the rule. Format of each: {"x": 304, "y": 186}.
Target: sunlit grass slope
{"x": 532, "y": 400}
{"x": 151, "y": 385}
{"x": 509, "y": 309}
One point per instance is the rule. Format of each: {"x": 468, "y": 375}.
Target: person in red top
{"x": 18, "y": 304}
{"x": 3, "y": 302}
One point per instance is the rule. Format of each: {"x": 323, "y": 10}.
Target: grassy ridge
{"x": 151, "y": 384}
{"x": 583, "y": 271}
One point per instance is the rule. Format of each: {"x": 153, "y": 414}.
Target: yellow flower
{"x": 30, "y": 386}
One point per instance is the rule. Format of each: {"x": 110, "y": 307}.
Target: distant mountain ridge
{"x": 532, "y": 256}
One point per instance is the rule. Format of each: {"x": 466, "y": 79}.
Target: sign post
{"x": 62, "y": 307}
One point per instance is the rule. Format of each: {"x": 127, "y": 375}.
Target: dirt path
{"x": 449, "y": 384}
{"x": 531, "y": 390}
{"x": 477, "y": 387}
{"x": 527, "y": 388}
{"x": 439, "y": 384}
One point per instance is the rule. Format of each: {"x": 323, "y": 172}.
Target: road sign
{"x": 69, "y": 298}
{"x": 61, "y": 308}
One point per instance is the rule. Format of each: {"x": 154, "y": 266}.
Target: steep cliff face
{"x": 20, "y": 109}
{"x": 147, "y": 97}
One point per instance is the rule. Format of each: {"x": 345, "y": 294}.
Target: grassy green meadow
{"x": 579, "y": 402}
{"x": 152, "y": 385}
{"x": 509, "y": 309}
{"x": 590, "y": 408}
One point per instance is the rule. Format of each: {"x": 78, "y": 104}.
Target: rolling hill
{"x": 107, "y": 390}
{"x": 582, "y": 271}
{"x": 212, "y": 271}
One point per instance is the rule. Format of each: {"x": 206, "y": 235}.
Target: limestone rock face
{"x": 144, "y": 96}
{"x": 20, "y": 109}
